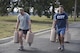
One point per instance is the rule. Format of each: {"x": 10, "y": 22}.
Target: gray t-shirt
{"x": 24, "y": 21}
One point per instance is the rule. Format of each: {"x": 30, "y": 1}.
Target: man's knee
{"x": 20, "y": 34}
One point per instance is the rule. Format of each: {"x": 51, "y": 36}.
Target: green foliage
{"x": 3, "y": 6}
{"x": 7, "y": 24}
{"x": 39, "y": 5}
{"x": 68, "y": 4}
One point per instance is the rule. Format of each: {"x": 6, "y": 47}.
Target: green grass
{"x": 72, "y": 19}
{"x": 7, "y": 24}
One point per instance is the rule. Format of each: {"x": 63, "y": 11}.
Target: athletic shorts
{"x": 61, "y": 31}
{"x": 24, "y": 31}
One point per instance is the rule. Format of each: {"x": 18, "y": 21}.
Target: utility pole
{"x": 75, "y": 8}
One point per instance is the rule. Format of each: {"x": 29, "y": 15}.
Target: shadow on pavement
{"x": 32, "y": 51}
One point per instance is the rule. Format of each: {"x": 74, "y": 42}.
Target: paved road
{"x": 43, "y": 45}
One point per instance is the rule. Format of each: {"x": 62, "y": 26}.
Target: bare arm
{"x": 54, "y": 24}
{"x": 17, "y": 24}
{"x": 67, "y": 24}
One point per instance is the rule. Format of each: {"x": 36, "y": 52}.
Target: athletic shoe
{"x": 62, "y": 48}
{"x": 59, "y": 48}
{"x": 21, "y": 48}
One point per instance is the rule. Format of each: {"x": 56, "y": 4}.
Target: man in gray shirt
{"x": 24, "y": 25}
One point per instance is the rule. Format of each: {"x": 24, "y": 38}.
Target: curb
{"x": 41, "y": 30}
{"x": 5, "y": 40}
{"x": 8, "y": 39}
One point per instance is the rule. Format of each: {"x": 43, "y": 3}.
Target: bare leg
{"x": 20, "y": 38}
{"x": 62, "y": 42}
{"x": 24, "y": 36}
{"x": 62, "y": 39}
{"x": 59, "y": 39}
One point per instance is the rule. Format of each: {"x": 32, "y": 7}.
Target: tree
{"x": 68, "y": 4}
{"x": 3, "y": 7}
{"x": 78, "y": 7}
{"x": 39, "y": 5}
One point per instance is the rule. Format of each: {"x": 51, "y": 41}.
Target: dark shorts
{"x": 24, "y": 31}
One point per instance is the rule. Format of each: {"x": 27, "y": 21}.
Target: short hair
{"x": 61, "y": 6}
{"x": 21, "y": 9}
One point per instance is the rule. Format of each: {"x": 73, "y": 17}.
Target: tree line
{"x": 39, "y": 5}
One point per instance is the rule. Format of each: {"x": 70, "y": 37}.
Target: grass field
{"x": 72, "y": 19}
{"x": 7, "y": 24}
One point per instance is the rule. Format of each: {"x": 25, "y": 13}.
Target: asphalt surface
{"x": 42, "y": 43}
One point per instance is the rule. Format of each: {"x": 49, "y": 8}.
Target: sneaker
{"x": 62, "y": 48}
{"x": 21, "y": 48}
{"x": 59, "y": 48}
